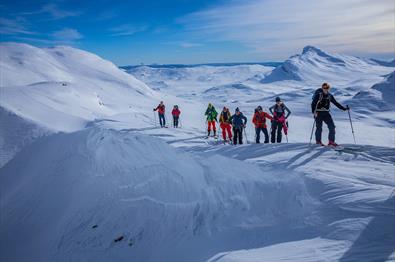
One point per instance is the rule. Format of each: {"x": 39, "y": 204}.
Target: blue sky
{"x": 202, "y": 31}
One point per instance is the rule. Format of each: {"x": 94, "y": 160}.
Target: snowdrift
{"x": 15, "y": 133}
{"x": 104, "y": 195}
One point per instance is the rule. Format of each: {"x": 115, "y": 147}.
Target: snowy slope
{"x": 355, "y": 190}
{"x": 63, "y": 88}
{"x": 46, "y": 90}
{"x": 191, "y": 81}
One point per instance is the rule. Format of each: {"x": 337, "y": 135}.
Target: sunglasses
{"x": 325, "y": 88}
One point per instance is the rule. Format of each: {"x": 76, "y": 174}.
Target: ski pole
{"x": 312, "y": 130}
{"x": 245, "y": 133}
{"x": 155, "y": 119}
{"x": 352, "y": 128}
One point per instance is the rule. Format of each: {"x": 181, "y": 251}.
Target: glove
{"x": 347, "y": 107}
{"x": 153, "y": 109}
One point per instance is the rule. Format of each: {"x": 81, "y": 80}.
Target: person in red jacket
{"x": 176, "y": 115}
{"x": 161, "y": 113}
{"x": 259, "y": 120}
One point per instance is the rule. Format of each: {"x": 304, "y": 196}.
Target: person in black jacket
{"x": 320, "y": 105}
{"x": 239, "y": 122}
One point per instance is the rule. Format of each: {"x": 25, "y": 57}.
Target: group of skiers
{"x": 238, "y": 122}
{"x": 234, "y": 125}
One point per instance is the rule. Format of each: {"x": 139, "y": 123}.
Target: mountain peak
{"x": 311, "y": 48}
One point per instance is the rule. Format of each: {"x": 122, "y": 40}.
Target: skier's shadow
{"x": 291, "y": 162}
{"x": 377, "y": 240}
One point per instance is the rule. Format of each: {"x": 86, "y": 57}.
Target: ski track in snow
{"x": 83, "y": 162}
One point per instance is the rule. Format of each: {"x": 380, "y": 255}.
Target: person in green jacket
{"x": 211, "y": 115}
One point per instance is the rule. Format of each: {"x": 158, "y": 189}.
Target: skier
{"x": 279, "y": 119}
{"x": 239, "y": 122}
{"x": 161, "y": 113}
{"x": 211, "y": 114}
{"x": 176, "y": 115}
{"x": 259, "y": 120}
{"x": 320, "y": 108}
{"x": 224, "y": 120}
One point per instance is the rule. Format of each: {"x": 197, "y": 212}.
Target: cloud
{"x": 273, "y": 28}
{"x": 14, "y": 26}
{"x": 127, "y": 30}
{"x": 54, "y": 11}
{"x": 183, "y": 44}
{"x": 67, "y": 34}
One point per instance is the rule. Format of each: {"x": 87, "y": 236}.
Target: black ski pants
{"x": 237, "y": 135}
{"x": 175, "y": 121}
{"x": 258, "y": 131}
{"x": 277, "y": 128}
{"x": 326, "y": 117}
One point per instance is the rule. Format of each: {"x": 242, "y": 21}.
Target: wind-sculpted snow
{"x": 105, "y": 195}
{"x": 356, "y": 191}
{"x": 76, "y": 193}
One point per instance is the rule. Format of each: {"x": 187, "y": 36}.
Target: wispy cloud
{"x": 67, "y": 34}
{"x": 184, "y": 44}
{"x": 54, "y": 11}
{"x": 127, "y": 30}
{"x": 14, "y": 26}
{"x": 277, "y": 27}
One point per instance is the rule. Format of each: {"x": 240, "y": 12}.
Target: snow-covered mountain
{"x": 379, "y": 98}
{"x": 316, "y": 66}
{"x": 86, "y": 174}
{"x": 61, "y": 89}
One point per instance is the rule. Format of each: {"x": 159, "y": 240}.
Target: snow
{"x": 87, "y": 175}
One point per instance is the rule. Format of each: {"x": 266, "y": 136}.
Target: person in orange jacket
{"x": 225, "y": 124}
{"x": 259, "y": 120}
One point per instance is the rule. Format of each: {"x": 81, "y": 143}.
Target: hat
{"x": 325, "y": 86}
{"x": 259, "y": 108}
{"x": 278, "y": 99}
{"x": 237, "y": 109}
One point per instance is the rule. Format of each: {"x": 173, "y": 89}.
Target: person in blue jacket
{"x": 239, "y": 122}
